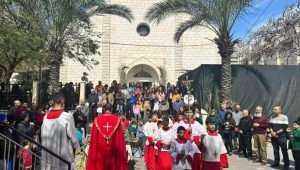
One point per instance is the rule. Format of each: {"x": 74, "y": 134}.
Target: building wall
{"x": 123, "y": 47}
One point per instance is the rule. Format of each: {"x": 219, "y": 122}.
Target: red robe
{"x": 107, "y": 148}
{"x": 164, "y": 158}
{"x": 150, "y": 154}
{"x": 197, "y": 158}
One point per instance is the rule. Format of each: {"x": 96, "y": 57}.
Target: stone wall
{"x": 123, "y": 47}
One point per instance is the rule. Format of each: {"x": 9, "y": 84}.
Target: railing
{"x": 10, "y": 153}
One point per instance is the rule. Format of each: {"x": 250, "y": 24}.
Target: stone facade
{"x": 125, "y": 53}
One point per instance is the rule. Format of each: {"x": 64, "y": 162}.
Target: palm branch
{"x": 217, "y": 15}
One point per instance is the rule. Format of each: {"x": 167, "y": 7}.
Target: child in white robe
{"x": 213, "y": 148}
{"x": 181, "y": 151}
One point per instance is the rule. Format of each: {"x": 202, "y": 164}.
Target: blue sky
{"x": 260, "y": 12}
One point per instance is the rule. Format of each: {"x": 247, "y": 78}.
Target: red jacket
{"x": 263, "y": 124}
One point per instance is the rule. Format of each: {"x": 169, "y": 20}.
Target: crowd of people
{"x": 157, "y": 121}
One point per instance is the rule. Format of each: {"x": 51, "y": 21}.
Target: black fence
{"x": 11, "y": 152}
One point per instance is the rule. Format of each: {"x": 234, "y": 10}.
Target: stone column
{"x": 35, "y": 91}
{"x": 82, "y": 93}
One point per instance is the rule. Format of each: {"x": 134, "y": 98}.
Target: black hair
{"x": 107, "y": 107}
{"x": 210, "y": 120}
{"x": 58, "y": 98}
{"x": 165, "y": 119}
{"x": 180, "y": 128}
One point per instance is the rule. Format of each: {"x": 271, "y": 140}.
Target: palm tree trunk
{"x": 226, "y": 79}
{"x": 55, "y": 57}
{"x": 225, "y": 47}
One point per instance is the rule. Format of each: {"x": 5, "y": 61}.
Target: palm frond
{"x": 118, "y": 10}
{"x": 195, "y": 21}
{"x": 162, "y": 10}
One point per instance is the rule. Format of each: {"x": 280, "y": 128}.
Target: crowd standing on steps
{"x": 156, "y": 124}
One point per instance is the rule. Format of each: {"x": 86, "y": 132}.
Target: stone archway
{"x": 143, "y": 73}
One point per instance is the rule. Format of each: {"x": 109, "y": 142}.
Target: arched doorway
{"x": 143, "y": 73}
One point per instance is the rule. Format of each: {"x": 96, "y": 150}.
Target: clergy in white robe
{"x": 58, "y": 135}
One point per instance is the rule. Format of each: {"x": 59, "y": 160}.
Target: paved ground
{"x": 237, "y": 163}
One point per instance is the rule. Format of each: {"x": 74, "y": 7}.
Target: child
{"x": 137, "y": 110}
{"x": 294, "y": 143}
{"x": 245, "y": 127}
{"x": 182, "y": 151}
{"x": 165, "y": 134}
{"x": 212, "y": 115}
{"x": 213, "y": 148}
{"x": 25, "y": 156}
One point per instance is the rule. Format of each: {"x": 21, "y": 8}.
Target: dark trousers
{"x": 228, "y": 141}
{"x": 246, "y": 145}
{"x": 296, "y": 155}
{"x": 282, "y": 144}
{"x": 236, "y": 141}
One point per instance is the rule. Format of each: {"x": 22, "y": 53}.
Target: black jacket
{"x": 245, "y": 125}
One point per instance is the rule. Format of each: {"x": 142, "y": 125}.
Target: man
{"x": 244, "y": 128}
{"x": 237, "y": 115}
{"x": 107, "y": 148}
{"x": 278, "y": 126}
{"x": 221, "y": 113}
{"x": 58, "y": 135}
{"x": 260, "y": 125}
{"x": 92, "y": 100}
{"x": 16, "y": 111}
{"x": 177, "y": 104}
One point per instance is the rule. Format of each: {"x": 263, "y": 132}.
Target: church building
{"x": 141, "y": 51}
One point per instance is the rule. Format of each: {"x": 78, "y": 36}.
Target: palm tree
{"x": 59, "y": 20}
{"x": 216, "y": 15}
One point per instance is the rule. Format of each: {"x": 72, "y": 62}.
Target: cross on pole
{"x": 107, "y": 126}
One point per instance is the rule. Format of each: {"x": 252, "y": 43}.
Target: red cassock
{"x": 197, "y": 157}
{"x": 150, "y": 154}
{"x": 216, "y": 165}
{"x": 164, "y": 159}
{"x": 107, "y": 150}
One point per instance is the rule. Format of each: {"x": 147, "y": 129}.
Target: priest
{"x": 107, "y": 145}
